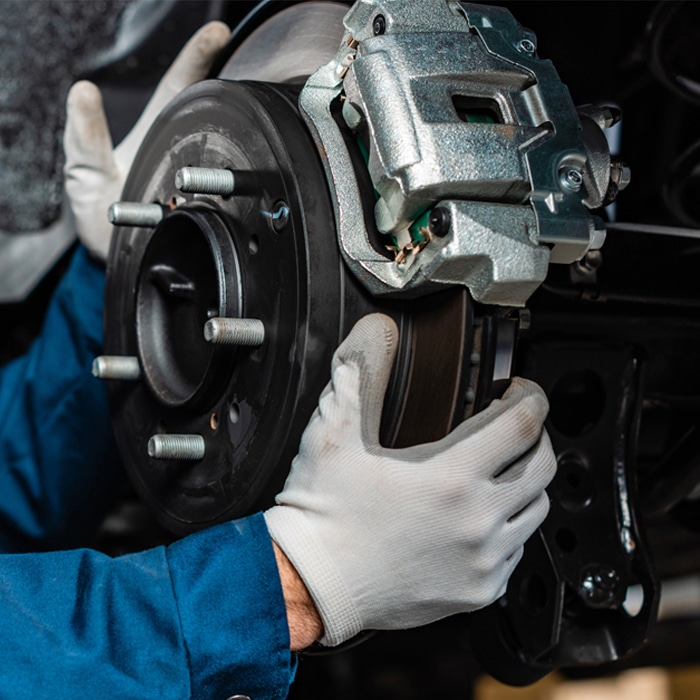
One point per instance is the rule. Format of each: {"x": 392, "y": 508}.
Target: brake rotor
{"x": 279, "y": 43}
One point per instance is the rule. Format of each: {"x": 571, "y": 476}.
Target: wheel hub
{"x": 208, "y": 431}
{"x": 189, "y": 274}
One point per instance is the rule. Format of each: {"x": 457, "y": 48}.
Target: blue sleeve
{"x": 203, "y": 618}
{"x": 59, "y": 468}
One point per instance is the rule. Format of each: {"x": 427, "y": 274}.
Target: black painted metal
{"x": 565, "y": 603}
{"x": 189, "y": 273}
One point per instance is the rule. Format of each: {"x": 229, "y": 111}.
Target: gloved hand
{"x": 392, "y": 539}
{"x": 95, "y": 172}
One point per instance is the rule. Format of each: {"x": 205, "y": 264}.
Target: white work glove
{"x": 393, "y": 539}
{"x": 95, "y": 172}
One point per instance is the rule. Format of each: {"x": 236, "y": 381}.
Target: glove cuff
{"x": 291, "y": 531}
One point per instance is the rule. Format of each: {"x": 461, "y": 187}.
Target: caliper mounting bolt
{"x": 206, "y": 181}
{"x": 180, "y": 447}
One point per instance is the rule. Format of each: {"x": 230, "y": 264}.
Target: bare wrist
{"x": 305, "y": 626}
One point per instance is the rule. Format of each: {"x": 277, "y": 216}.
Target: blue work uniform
{"x": 202, "y": 618}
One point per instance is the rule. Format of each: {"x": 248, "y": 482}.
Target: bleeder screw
{"x": 571, "y": 178}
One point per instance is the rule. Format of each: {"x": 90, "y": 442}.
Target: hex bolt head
{"x": 248, "y": 332}
{"x": 135, "y": 214}
{"x": 379, "y": 25}
{"x": 116, "y": 367}
{"x": 177, "y": 447}
{"x": 205, "y": 181}
{"x": 439, "y": 222}
{"x": 599, "y": 586}
{"x": 620, "y": 174}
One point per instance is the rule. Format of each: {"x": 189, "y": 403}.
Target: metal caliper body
{"x": 483, "y": 173}
{"x": 455, "y": 112}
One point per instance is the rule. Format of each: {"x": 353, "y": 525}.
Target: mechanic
{"x": 362, "y": 537}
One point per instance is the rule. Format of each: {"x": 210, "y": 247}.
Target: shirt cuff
{"x": 232, "y": 611}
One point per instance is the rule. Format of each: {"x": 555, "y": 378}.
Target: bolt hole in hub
{"x": 189, "y": 268}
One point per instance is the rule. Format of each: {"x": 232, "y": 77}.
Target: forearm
{"x": 202, "y": 618}
{"x": 304, "y": 622}
{"x": 59, "y": 468}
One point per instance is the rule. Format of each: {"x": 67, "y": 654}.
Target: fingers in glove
{"x": 191, "y": 65}
{"x": 364, "y": 361}
{"x": 498, "y": 582}
{"x": 86, "y": 140}
{"x": 525, "y": 480}
{"x": 521, "y": 526}
{"x": 497, "y": 436}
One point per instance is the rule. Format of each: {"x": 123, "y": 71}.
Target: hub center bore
{"x": 189, "y": 273}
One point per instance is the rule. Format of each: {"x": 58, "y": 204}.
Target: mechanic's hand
{"x": 392, "y": 539}
{"x": 95, "y": 172}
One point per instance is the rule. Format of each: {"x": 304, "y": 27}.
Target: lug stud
{"x": 135, "y": 214}
{"x": 248, "y": 332}
{"x": 205, "y": 181}
{"x": 116, "y": 367}
{"x": 183, "y": 447}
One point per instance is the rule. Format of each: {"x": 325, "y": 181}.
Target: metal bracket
{"x": 452, "y": 104}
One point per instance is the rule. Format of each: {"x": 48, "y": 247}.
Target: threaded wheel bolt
{"x": 177, "y": 447}
{"x": 205, "y": 181}
{"x": 116, "y": 367}
{"x": 135, "y": 214}
{"x": 249, "y": 332}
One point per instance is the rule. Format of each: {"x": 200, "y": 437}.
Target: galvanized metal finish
{"x": 420, "y": 92}
{"x": 116, "y": 367}
{"x": 177, "y": 447}
{"x": 135, "y": 214}
{"x": 248, "y": 332}
{"x": 205, "y": 181}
